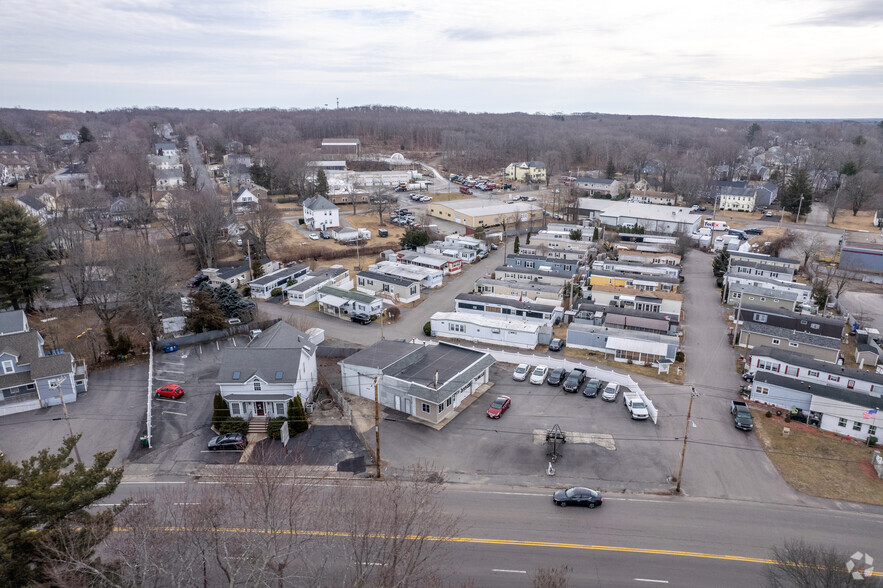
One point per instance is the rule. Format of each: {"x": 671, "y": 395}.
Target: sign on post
{"x": 284, "y": 432}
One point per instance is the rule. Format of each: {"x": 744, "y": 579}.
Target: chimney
{"x": 435, "y": 380}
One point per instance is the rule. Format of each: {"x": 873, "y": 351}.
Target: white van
{"x": 717, "y": 225}
{"x": 610, "y": 392}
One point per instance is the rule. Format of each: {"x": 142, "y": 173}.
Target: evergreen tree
{"x": 610, "y": 172}
{"x": 797, "y": 186}
{"x": 257, "y": 269}
{"x": 21, "y": 256}
{"x": 43, "y": 501}
{"x": 517, "y": 245}
{"x": 221, "y": 412}
{"x": 414, "y": 238}
{"x": 322, "y": 183}
{"x": 85, "y": 135}
{"x": 720, "y": 263}
{"x": 205, "y": 314}
{"x": 297, "y": 416}
{"x": 595, "y": 234}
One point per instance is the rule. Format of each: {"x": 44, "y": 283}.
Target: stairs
{"x": 258, "y": 424}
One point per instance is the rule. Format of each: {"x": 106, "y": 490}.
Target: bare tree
{"x": 781, "y": 243}
{"x": 265, "y": 223}
{"x": 809, "y": 244}
{"x": 146, "y": 285}
{"x": 381, "y": 200}
{"x": 204, "y": 216}
{"x": 75, "y": 262}
{"x": 90, "y": 209}
{"x": 123, "y": 167}
{"x": 861, "y": 188}
{"x": 799, "y": 564}
{"x": 104, "y": 295}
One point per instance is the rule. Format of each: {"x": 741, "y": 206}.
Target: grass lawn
{"x": 673, "y": 377}
{"x": 863, "y": 221}
{"x": 819, "y": 463}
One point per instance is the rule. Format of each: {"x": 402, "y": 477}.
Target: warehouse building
{"x": 485, "y": 212}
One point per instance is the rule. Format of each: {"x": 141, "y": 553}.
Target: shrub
{"x": 297, "y": 419}
{"x": 427, "y": 329}
{"x": 233, "y": 425}
{"x": 393, "y": 313}
{"x": 787, "y": 418}
{"x": 274, "y": 428}
{"x": 221, "y": 413}
{"x": 768, "y": 414}
{"x": 276, "y": 292}
{"x": 679, "y": 356}
{"x": 872, "y": 441}
{"x": 300, "y": 221}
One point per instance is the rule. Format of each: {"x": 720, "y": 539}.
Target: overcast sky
{"x": 741, "y": 59}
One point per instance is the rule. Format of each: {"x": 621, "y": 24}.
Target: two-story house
{"x": 320, "y": 213}
{"x": 527, "y": 171}
{"x": 598, "y": 185}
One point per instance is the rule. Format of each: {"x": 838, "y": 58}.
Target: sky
{"x": 746, "y": 59}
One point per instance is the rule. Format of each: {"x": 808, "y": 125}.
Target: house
{"x": 69, "y": 137}
{"x": 345, "y": 303}
{"x": 320, "y": 213}
{"x": 345, "y": 235}
{"x": 31, "y": 378}
{"x": 628, "y": 319}
{"x": 165, "y": 162}
{"x": 761, "y": 334}
{"x": 34, "y": 207}
{"x": 427, "y": 277}
{"x": 396, "y": 289}
{"x": 760, "y": 269}
{"x": 535, "y": 291}
{"x": 576, "y": 251}
{"x": 633, "y": 280}
{"x": 665, "y": 302}
{"x": 244, "y": 197}
{"x": 737, "y": 199}
{"x": 839, "y": 399}
{"x": 752, "y": 289}
{"x": 474, "y": 213}
{"x": 598, "y": 185}
{"x": 484, "y": 329}
{"x": 121, "y": 209}
{"x": 306, "y": 290}
{"x": 766, "y": 194}
{"x": 622, "y": 345}
{"x": 464, "y": 254}
{"x": 167, "y": 179}
{"x": 448, "y": 265}
{"x": 237, "y": 161}
{"x": 795, "y": 321}
{"x": 653, "y": 197}
{"x": 342, "y": 146}
{"x": 238, "y": 275}
{"x": 867, "y": 347}
{"x": 653, "y": 218}
{"x": 262, "y": 288}
{"x": 73, "y": 177}
{"x": 498, "y": 306}
{"x": 788, "y": 265}
{"x": 532, "y": 275}
{"x": 463, "y": 242}
{"x": 644, "y": 269}
{"x": 259, "y": 379}
{"x": 428, "y": 382}
{"x": 527, "y": 171}
{"x": 649, "y": 257}
{"x": 165, "y": 148}
{"x": 526, "y": 261}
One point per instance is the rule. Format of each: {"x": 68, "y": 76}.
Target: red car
{"x": 499, "y": 406}
{"x": 170, "y": 391}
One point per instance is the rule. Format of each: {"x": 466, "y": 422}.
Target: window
{"x": 441, "y": 406}
{"x": 813, "y": 374}
{"x": 235, "y": 409}
{"x": 872, "y": 430}
{"x": 280, "y": 409}
{"x": 450, "y": 401}
{"x": 841, "y": 422}
{"x": 834, "y": 378}
{"x": 850, "y": 384}
{"x": 775, "y": 341}
{"x": 456, "y": 327}
{"x": 425, "y": 408}
{"x": 236, "y": 375}
{"x": 8, "y": 366}
{"x": 762, "y": 390}
{"x": 793, "y": 344}
{"x": 856, "y": 426}
{"x": 760, "y": 318}
{"x": 529, "y": 264}
{"x": 814, "y": 326}
{"x": 257, "y": 385}
{"x": 737, "y": 295}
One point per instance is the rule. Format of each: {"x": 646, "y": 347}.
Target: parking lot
{"x": 604, "y": 443}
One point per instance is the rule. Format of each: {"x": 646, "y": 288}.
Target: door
{"x": 259, "y": 408}
{"x": 408, "y": 404}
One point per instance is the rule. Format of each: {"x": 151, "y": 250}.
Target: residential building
{"x": 737, "y": 199}
{"x": 664, "y": 302}
{"x": 345, "y": 303}
{"x": 262, "y": 288}
{"x": 766, "y": 194}
{"x": 69, "y": 137}
{"x": 795, "y": 321}
{"x": 320, "y": 213}
{"x": 306, "y": 290}
{"x": 760, "y": 269}
{"x": 622, "y": 345}
{"x": 448, "y": 265}
{"x": 34, "y": 207}
{"x": 540, "y": 293}
{"x": 166, "y": 148}
{"x": 526, "y": 171}
{"x": 238, "y": 275}
{"x": 526, "y": 261}
{"x": 428, "y": 382}
{"x": 244, "y": 197}
{"x": 168, "y": 179}
{"x": 427, "y": 277}
{"x": 837, "y": 398}
{"x": 789, "y": 265}
{"x": 165, "y": 162}
{"x": 465, "y": 242}
{"x": 649, "y": 257}
{"x": 654, "y": 197}
{"x": 755, "y": 287}
{"x": 399, "y": 290}
{"x": 474, "y": 213}
{"x": 237, "y": 160}
{"x": 633, "y": 280}
{"x": 341, "y": 146}
{"x": 259, "y": 379}
{"x": 465, "y": 254}
{"x": 868, "y": 347}
{"x": 31, "y": 378}
{"x": 629, "y": 319}
{"x": 598, "y": 185}
{"x": 532, "y": 275}
{"x": 484, "y": 329}
{"x": 644, "y": 269}
{"x": 761, "y": 334}
{"x": 73, "y": 177}
{"x": 495, "y": 306}
{"x": 577, "y": 252}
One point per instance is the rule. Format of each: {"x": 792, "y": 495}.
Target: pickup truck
{"x": 636, "y": 406}
{"x": 574, "y": 380}
{"x": 741, "y": 415}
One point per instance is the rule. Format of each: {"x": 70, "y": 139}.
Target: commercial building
{"x": 653, "y": 218}
{"x": 865, "y": 256}
{"x": 487, "y": 212}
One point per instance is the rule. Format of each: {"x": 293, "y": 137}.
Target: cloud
{"x": 863, "y": 12}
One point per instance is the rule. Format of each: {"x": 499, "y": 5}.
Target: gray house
{"x": 526, "y": 261}
{"x": 796, "y": 321}
{"x": 508, "y": 308}
{"x": 759, "y": 334}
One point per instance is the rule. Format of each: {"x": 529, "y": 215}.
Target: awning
{"x": 637, "y": 346}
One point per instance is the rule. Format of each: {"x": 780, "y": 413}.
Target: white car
{"x": 426, "y": 199}
{"x": 314, "y": 236}
{"x": 520, "y": 373}
{"x": 539, "y": 375}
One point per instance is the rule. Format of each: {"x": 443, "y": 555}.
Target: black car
{"x": 324, "y": 234}
{"x": 574, "y": 380}
{"x": 362, "y": 319}
{"x": 557, "y": 377}
{"x": 577, "y": 496}
{"x": 702, "y": 209}
{"x": 592, "y": 388}
{"x": 228, "y": 441}
{"x": 556, "y": 345}
{"x": 753, "y": 231}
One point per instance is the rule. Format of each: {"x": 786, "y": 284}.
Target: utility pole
{"x": 248, "y": 256}
{"x": 799, "y": 206}
{"x": 686, "y": 430}
{"x": 57, "y": 385}
{"x": 377, "y": 425}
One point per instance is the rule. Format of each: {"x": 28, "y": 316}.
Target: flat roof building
{"x": 487, "y": 212}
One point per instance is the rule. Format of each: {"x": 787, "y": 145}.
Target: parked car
{"x": 753, "y": 231}
{"x": 702, "y": 209}
{"x": 228, "y": 441}
{"x": 325, "y": 234}
{"x": 465, "y": 190}
{"x": 520, "y": 373}
{"x": 170, "y": 391}
{"x": 494, "y": 246}
{"x": 539, "y": 375}
{"x": 611, "y": 391}
{"x": 314, "y": 236}
{"x": 556, "y": 344}
{"x": 577, "y": 496}
{"x": 360, "y": 318}
{"x": 557, "y": 377}
{"x": 768, "y": 213}
{"x": 574, "y": 380}
{"x": 748, "y": 377}
{"x": 499, "y": 406}
{"x": 426, "y": 199}
{"x": 592, "y": 388}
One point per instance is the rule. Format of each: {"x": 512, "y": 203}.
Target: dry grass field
{"x": 863, "y": 221}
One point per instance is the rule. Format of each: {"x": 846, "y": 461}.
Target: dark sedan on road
{"x": 228, "y": 441}
{"x": 753, "y": 231}
{"x": 499, "y": 406}
{"x": 577, "y": 496}
{"x": 557, "y": 377}
{"x": 362, "y": 319}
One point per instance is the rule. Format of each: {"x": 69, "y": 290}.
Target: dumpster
{"x": 170, "y": 348}
{"x": 144, "y": 441}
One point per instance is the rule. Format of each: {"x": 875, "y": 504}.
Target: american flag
{"x": 869, "y": 413}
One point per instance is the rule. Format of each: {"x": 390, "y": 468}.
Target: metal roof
{"x": 792, "y": 335}
{"x": 830, "y": 392}
{"x": 808, "y": 361}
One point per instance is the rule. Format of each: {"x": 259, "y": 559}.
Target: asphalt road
{"x": 200, "y": 173}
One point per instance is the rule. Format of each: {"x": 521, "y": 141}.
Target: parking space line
{"x": 177, "y": 413}
{"x": 172, "y": 400}
{"x": 509, "y": 571}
